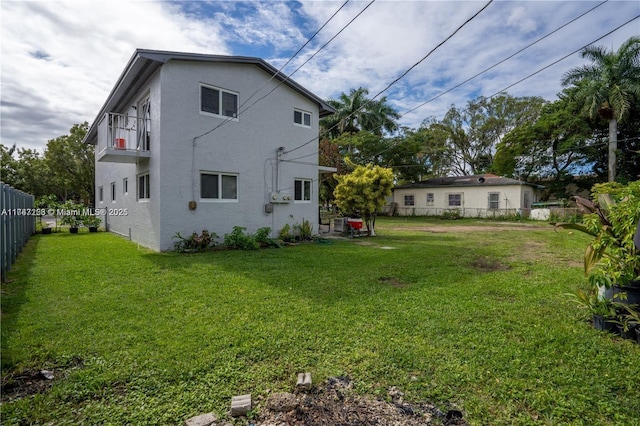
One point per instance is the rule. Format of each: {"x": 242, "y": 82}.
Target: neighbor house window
{"x": 218, "y": 186}
{"x": 302, "y": 118}
{"x": 409, "y": 200}
{"x": 125, "y": 186}
{"x": 100, "y": 194}
{"x": 144, "y": 187}
{"x": 494, "y": 200}
{"x": 302, "y": 190}
{"x": 113, "y": 192}
{"x": 430, "y": 198}
{"x": 455, "y": 200}
{"x": 218, "y": 101}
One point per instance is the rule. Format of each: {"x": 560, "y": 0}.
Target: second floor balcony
{"x": 123, "y": 138}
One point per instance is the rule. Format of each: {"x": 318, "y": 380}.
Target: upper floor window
{"x": 302, "y": 190}
{"x": 218, "y": 101}
{"x": 302, "y": 118}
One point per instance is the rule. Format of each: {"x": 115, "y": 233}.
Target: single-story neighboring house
{"x": 485, "y": 195}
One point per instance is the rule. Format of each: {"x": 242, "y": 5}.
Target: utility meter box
{"x": 280, "y": 198}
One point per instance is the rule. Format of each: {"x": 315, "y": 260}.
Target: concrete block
{"x": 240, "y": 405}
{"x": 304, "y": 381}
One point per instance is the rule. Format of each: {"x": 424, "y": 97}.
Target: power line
{"x": 401, "y": 76}
{"x": 228, "y": 119}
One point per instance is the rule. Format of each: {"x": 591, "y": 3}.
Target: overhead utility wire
{"x": 401, "y": 76}
{"x": 566, "y": 56}
{"x": 228, "y": 119}
{"x": 502, "y": 61}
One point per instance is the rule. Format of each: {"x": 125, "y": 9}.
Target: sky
{"x": 59, "y": 60}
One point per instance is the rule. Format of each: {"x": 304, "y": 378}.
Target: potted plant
{"x": 45, "y": 228}
{"x": 92, "y": 222}
{"x": 627, "y": 320}
{"x": 611, "y": 260}
{"x": 602, "y": 310}
{"x": 72, "y": 216}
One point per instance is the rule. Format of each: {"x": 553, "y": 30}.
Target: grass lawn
{"x": 444, "y": 311}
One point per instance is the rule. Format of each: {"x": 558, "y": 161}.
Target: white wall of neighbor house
{"x": 244, "y": 149}
{"x": 473, "y": 200}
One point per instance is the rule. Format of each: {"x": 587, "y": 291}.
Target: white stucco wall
{"x": 246, "y": 147}
{"x": 475, "y": 199}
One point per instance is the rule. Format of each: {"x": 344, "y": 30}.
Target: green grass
{"x": 475, "y": 319}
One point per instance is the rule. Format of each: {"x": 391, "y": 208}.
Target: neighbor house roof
{"x": 466, "y": 181}
{"x": 145, "y": 62}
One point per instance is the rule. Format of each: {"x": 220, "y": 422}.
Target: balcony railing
{"x": 123, "y": 138}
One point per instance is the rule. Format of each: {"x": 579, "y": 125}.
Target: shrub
{"x": 238, "y": 239}
{"x": 194, "y": 242}
{"x": 262, "y": 237}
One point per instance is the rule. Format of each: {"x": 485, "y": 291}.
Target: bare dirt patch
{"x": 461, "y": 228}
{"x": 484, "y": 264}
{"x": 392, "y": 281}
{"x": 334, "y": 403}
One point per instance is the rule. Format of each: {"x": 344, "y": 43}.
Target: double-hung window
{"x": 301, "y": 118}
{"x": 218, "y": 101}
{"x": 409, "y": 200}
{"x": 144, "y": 187}
{"x": 430, "y": 198}
{"x": 494, "y": 200}
{"x": 218, "y": 186}
{"x": 302, "y": 190}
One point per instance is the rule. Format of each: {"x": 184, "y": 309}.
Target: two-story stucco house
{"x": 472, "y": 196}
{"x": 187, "y": 142}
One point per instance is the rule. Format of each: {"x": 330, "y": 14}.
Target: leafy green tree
{"x": 8, "y": 173}
{"x": 608, "y": 87}
{"x": 71, "y": 163}
{"x": 356, "y": 112}
{"x": 363, "y": 192}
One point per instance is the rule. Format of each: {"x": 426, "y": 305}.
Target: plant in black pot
{"x": 627, "y": 320}
{"x": 92, "y": 222}
{"x": 612, "y": 259}
{"x": 602, "y": 310}
{"x": 72, "y": 215}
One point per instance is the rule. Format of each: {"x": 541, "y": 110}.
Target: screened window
{"x": 494, "y": 200}
{"x": 218, "y": 186}
{"x": 302, "y": 190}
{"x": 219, "y": 102}
{"x": 409, "y": 200}
{"x": 302, "y": 118}
{"x": 455, "y": 200}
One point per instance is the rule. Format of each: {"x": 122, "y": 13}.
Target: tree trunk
{"x": 613, "y": 146}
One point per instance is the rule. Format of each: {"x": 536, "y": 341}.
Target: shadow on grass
{"x": 13, "y": 294}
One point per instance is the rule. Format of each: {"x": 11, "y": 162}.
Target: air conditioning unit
{"x": 280, "y": 198}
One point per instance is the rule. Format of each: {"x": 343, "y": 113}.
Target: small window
{"x": 100, "y": 194}
{"x": 144, "y": 187}
{"x": 430, "y": 198}
{"x": 302, "y": 190}
{"x": 219, "y": 102}
{"x": 455, "y": 200}
{"x": 113, "y": 192}
{"x": 125, "y": 186}
{"x": 494, "y": 200}
{"x": 218, "y": 186}
{"x": 302, "y": 118}
{"x": 409, "y": 200}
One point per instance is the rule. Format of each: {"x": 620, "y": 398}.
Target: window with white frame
{"x": 125, "y": 186}
{"x": 302, "y": 118}
{"x": 302, "y": 190}
{"x": 100, "y": 194}
{"x": 113, "y": 192}
{"x": 144, "y": 187}
{"x": 430, "y": 198}
{"x": 409, "y": 200}
{"x": 218, "y": 186}
{"x": 454, "y": 200}
{"x": 494, "y": 200}
{"x": 219, "y": 102}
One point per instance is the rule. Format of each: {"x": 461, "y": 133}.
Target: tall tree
{"x": 608, "y": 87}
{"x": 355, "y": 112}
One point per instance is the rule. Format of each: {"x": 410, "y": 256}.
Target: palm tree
{"x": 355, "y": 112}
{"x": 608, "y": 87}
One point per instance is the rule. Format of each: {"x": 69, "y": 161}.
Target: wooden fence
{"x": 17, "y": 224}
